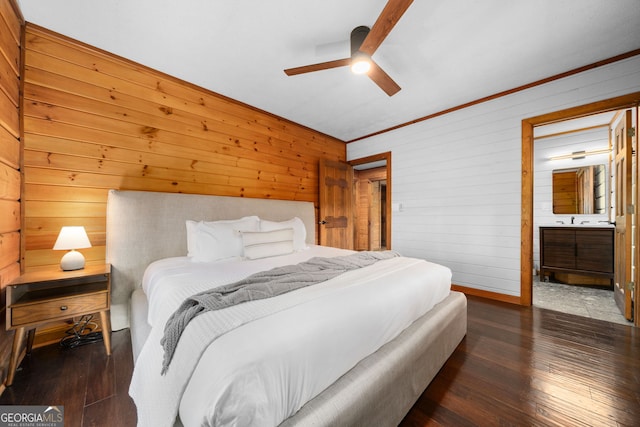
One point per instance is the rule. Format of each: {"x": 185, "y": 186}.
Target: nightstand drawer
{"x": 63, "y": 307}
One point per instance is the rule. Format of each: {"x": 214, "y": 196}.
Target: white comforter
{"x": 257, "y": 363}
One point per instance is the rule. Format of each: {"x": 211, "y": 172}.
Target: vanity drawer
{"x": 58, "y": 308}
{"x": 559, "y": 248}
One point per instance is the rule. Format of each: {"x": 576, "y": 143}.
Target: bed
{"x": 358, "y": 381}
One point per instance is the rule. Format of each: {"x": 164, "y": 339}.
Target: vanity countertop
{"x": 587, "y": 225}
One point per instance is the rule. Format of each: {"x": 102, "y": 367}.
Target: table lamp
{"x": 72, "y": 238}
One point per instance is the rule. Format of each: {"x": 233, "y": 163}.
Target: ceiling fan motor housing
{"x": 357, "y": 37}
{"x": 360, "y": 61}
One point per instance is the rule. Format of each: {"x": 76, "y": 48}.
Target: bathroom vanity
{"x": 577, "y": 249}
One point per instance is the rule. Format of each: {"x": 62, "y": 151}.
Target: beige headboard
{"x": 143, "y": 227}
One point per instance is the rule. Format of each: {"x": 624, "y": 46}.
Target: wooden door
{"x": 375, "y": 216}
{"x": 623, "y": 215}
{"x": 635, "y": 298}
{"x": 336, "y": 204}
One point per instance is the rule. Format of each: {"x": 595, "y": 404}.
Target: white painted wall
{"x": 458, "y": 176}
{"x": 545, "y": 148}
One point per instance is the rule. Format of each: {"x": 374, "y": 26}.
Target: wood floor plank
{"x": 537, "y": 367}
{"x": 517, "y": 366}
{"x": 116, "y": 409}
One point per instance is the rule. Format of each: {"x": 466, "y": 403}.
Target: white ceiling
{"x": 442, "y": 53}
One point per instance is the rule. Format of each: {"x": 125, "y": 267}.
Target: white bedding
{"x": 271, "y": 356}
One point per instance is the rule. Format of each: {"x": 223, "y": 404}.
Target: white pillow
{"x": 299, "y": 230}
{"x": 262, "y": 244}
{"x": 213, "y": 240}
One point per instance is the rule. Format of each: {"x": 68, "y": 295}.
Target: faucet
{"x": 572, "y": 218}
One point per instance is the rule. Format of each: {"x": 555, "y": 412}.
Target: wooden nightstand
{"x": 44, "y": 296}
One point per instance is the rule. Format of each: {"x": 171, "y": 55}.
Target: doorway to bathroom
{"x": 582, "y": 144}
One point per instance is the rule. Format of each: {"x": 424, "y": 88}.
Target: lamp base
{"x": 72, "y": 260}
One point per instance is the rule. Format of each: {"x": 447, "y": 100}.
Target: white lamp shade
{"x": 71, "y": 238}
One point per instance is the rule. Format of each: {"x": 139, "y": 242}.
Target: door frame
{"x": 376, "y": 158}
{"x": 631, "y": 100}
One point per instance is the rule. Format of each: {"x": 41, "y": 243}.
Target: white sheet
{"x": 272, "y": 356}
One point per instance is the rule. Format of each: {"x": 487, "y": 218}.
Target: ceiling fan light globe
{"x": 360, "y": 66}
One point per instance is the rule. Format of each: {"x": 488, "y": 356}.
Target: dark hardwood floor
{"x": 534, "y": 367}
{"x": 92, "y": 387}
{"x": 516, "y": 367}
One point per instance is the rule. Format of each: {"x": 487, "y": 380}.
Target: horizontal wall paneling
{"x": 94, "y": 121}
{"x": 10, "y": 178}
{"x": 458, "y": 175}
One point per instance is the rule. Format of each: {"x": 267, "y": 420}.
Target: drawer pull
{"x": 63, "y": 307}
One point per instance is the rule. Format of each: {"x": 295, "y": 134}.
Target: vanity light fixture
{"x": 72, "y": 238}
{"x": 581, "y": 154}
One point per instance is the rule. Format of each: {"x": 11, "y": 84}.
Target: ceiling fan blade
{"x": 383, "y": 80}
{"x": 318, "y": 67}
{"x": 388, "y": 18}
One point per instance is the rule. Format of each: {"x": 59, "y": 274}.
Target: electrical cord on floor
{"x": 81, "y": 333}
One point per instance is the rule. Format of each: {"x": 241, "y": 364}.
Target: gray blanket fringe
{"x": 265, "y": 284}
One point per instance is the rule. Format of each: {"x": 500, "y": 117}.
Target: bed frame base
{"x": 381, "y": 389}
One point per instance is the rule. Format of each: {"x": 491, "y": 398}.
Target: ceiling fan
{"x": 364, "y": 43}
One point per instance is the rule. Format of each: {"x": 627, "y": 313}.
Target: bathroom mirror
{"x": 580, "y": 190}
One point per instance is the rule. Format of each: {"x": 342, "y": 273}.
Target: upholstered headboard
{"x": 143, "y": 227}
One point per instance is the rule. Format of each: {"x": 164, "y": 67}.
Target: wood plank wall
{"x": 94, "y": 121}
{"x": 10, "y": 23}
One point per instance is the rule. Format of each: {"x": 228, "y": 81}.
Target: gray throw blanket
{"x": 265, "y": 284}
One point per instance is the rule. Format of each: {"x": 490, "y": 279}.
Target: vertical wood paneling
{"x": 458, "y": 177}
{"x": 94, "y": 121}
{"x": 10, "y": 22}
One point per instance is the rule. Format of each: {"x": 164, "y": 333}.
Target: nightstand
{"x": 43, "y": 296}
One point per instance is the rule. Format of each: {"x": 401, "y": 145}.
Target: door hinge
{"x": 631, "y": 132}
{"x": 630, "y": 286}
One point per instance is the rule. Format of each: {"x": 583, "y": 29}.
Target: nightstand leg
{"x": 30, "y": 337}
{"x": 18, "y": 339}
{"x": 106, "y": 331}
